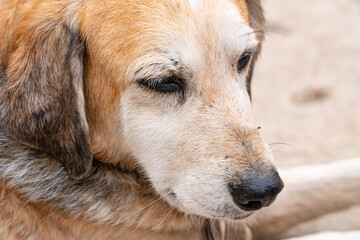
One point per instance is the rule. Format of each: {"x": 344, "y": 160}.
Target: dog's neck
{"x": 110, "y": 195}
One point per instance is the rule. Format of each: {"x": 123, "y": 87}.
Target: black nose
{"x": 256, "y": 190}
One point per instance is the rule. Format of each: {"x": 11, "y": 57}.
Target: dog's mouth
{"x": 216, "y": 198}
{"x": 242, "y": 216}
{"x": 226, "y": 212}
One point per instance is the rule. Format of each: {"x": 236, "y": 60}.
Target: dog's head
{"x": 166, "y": 82}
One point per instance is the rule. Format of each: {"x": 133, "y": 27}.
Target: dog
{"x": 132, "y": 120}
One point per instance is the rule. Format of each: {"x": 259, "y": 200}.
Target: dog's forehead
{"x": 133, "y": 33}
{"x": 194, "y": 30}
{"x": 240, "y": 4}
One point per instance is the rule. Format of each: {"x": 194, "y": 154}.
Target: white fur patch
{"x": 195, "y": 4}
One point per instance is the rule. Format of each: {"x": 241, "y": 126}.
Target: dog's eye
{"x": 171, "y": 84}
{"x": 244, "y": 60}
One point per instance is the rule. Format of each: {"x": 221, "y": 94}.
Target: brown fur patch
{"x": 40, "y": 101}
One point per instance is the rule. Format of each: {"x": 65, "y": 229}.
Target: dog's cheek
{"x": 151, "y": 134}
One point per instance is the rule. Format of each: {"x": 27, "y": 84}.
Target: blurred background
{"x": 306, "y": 89}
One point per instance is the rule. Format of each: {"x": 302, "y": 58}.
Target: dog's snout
{"x": 256, "y": 191}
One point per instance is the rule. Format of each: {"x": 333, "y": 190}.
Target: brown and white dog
{"x": 132, "y": 120}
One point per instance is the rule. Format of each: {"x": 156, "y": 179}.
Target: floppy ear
{"x": 41, "y": 94}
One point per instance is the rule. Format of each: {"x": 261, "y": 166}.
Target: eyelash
{"x": 171, "y": 84}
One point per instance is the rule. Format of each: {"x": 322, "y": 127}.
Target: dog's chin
{"x": 225, "y": 213}
{"x": 241, "y": 216}
{"x": 230, "y": 215}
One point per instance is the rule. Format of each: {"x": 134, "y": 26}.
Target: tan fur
{"x": 241, "y": 4}
{"x": 19, "y": 221}
{"x": 87, "y": 152}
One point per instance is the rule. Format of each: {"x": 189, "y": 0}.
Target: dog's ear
{"x": 41, "y": 94}
{"x": 257, "y": 22}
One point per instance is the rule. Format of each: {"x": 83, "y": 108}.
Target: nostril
{"x": 251, "y": 205}
{"x": 248, "y": 204}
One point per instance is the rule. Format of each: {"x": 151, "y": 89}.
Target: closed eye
{"x": 170, "y": 84}
{"x": 244, "y": 60}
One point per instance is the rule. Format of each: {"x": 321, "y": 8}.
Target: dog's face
{"x": 182, "y": 108}
{"x": 166, "y": 83}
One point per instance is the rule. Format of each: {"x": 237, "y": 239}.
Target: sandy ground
{"x": 306, "y": 88}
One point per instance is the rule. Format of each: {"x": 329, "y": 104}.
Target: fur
{"x": 88, "y": 148}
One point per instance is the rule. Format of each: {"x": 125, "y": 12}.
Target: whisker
{"x": 151, "y": 203}
{"x": 270, "y": 31}
{"x": 163, "y": 219}
{"x": 281, "y": 143}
